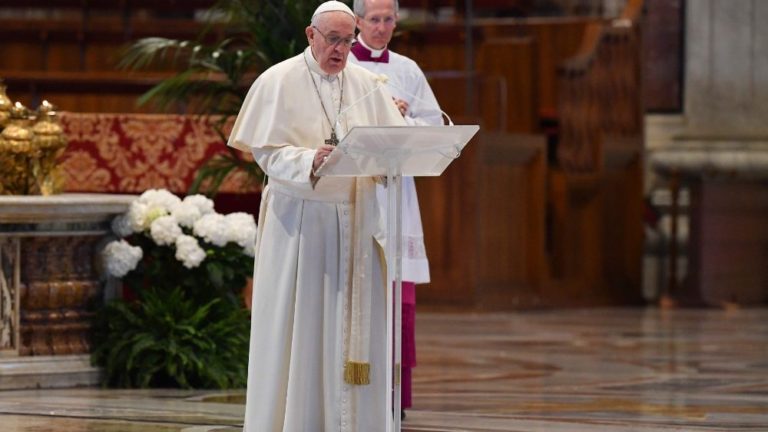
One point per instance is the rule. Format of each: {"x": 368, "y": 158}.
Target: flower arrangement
{"x": 181, "y": 320}
{"x": 166, "y": 241}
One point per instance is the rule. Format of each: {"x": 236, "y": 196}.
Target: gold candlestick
{"x": 50, "y": 140}
{"x": 16, "y": 153}
{"x": 5, "y": 106}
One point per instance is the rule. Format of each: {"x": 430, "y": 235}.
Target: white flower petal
{"x": 213, "y": 229}
{"x": 120, "y": 257}
{"x": 165, "y": 230}
{"x": 121, "y": 225}
{"x": 186, "y": 214}
{"x": 189, "y": 252}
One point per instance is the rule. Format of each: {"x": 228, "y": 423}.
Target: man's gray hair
{"x": 359, "y": 7}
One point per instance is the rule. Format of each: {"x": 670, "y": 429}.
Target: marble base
{"x": 57, "y": 209}
{"x": 737, "y": 157}
{"x": 47, "y": 372}
{"x": 49, "y": 280}
{"x": 728, "y": 206}
{"x": 554, "y": 370}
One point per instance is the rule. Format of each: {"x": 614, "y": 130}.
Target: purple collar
{"x": 363, "y": 54}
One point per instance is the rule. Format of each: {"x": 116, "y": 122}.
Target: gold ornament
{"x": 16, "y": 153}
{"x": 29, "y": 153}
{"x": 5, "y": 106}
{"x": 50, "y": 141}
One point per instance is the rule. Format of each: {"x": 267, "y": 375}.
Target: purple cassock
{"x": 407, "y": 82}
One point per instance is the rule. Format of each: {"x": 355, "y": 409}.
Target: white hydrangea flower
{"x": 188, "y": 251}
{"x": 152, "y": 214}
{"x": 165, "y": 230}
{"x": 159, "y": 198}
{"x": 186, "y": 214}
{"x": 121, "y": 225}
{"x": 250, "y": 249}
{"x": 136, "y": 216}
{"x": 241, "y": 229}
{"x": 141, "y": 215}
{"x": 150, "y": 205}
{"x": 212, "y": 228}
{"x": 203, "y": 203}
{"x": 120, "y": 257}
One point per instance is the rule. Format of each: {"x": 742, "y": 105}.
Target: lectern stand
{"x": 393, "y": 152}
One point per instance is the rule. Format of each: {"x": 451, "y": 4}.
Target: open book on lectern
{"x": 410, "y": 150}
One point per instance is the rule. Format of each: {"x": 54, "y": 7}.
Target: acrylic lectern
{"x": 396, "y": 151}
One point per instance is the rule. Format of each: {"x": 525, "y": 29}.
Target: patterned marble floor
{"x": 617, "y": 370}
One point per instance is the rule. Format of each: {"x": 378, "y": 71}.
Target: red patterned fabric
{"x": 130, "y": 153}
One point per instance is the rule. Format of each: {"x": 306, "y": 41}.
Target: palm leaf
{"x": 213, "y": 76}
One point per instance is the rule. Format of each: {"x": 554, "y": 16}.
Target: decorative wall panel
{"x": 130, "y": 153}
{"x": 9, "y": 296}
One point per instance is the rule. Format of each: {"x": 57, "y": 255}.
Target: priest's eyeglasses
{"x": 336, "y": 40}
{"x": 388, "y": 21}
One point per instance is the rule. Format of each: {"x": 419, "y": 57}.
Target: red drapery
{"x": 130, "y": 153}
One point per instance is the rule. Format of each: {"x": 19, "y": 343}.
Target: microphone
{"x": 428, "y": 102}
{"x": 383, "y": 80}
{"x": 337, "y": 124}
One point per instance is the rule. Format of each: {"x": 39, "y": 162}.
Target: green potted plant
{"x": 181, "y": 321}
{"x": 241, "y": 38}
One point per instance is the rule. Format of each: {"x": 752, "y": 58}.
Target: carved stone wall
{"x": 49, "y": 285}
{"x": 58, "y": 286}
{"x": 9, "y": 295}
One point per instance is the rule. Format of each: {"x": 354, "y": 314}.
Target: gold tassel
{"x": 357, "y": 373}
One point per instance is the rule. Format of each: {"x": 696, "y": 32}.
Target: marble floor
{"x": 616, "y": 370}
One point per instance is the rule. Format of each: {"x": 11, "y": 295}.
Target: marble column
{"x": 725, "y": 78}
{"x": 726, "y": 72}
{"x": 719, "y": 151}
{"x": 49, "y": 281}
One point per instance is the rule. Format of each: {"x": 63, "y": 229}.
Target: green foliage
{"x": 214, "y": 71}
{"x": 176, "y": 326}
{"x": 212, "y": 174}
{"x": 222, "y": 275}
{"x": 167, "y": 339}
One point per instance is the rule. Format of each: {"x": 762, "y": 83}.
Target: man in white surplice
{"x": 318, "y": 333}
{"x": 376, "y": 20}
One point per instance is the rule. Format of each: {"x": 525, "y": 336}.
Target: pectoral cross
{"x": 332, "y": 140}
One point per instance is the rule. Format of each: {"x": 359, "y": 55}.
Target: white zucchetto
{"x": 332, "y": 6}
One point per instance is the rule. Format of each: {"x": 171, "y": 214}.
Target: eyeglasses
{"x": 376, "y": 20}
{"x": 336, "y": 40}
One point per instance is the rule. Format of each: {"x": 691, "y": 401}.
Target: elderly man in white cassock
{"x": 318, "y": 335}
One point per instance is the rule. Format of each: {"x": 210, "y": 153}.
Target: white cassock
{"x": 406, "y": 82}
{"x": 307, "y": 255}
